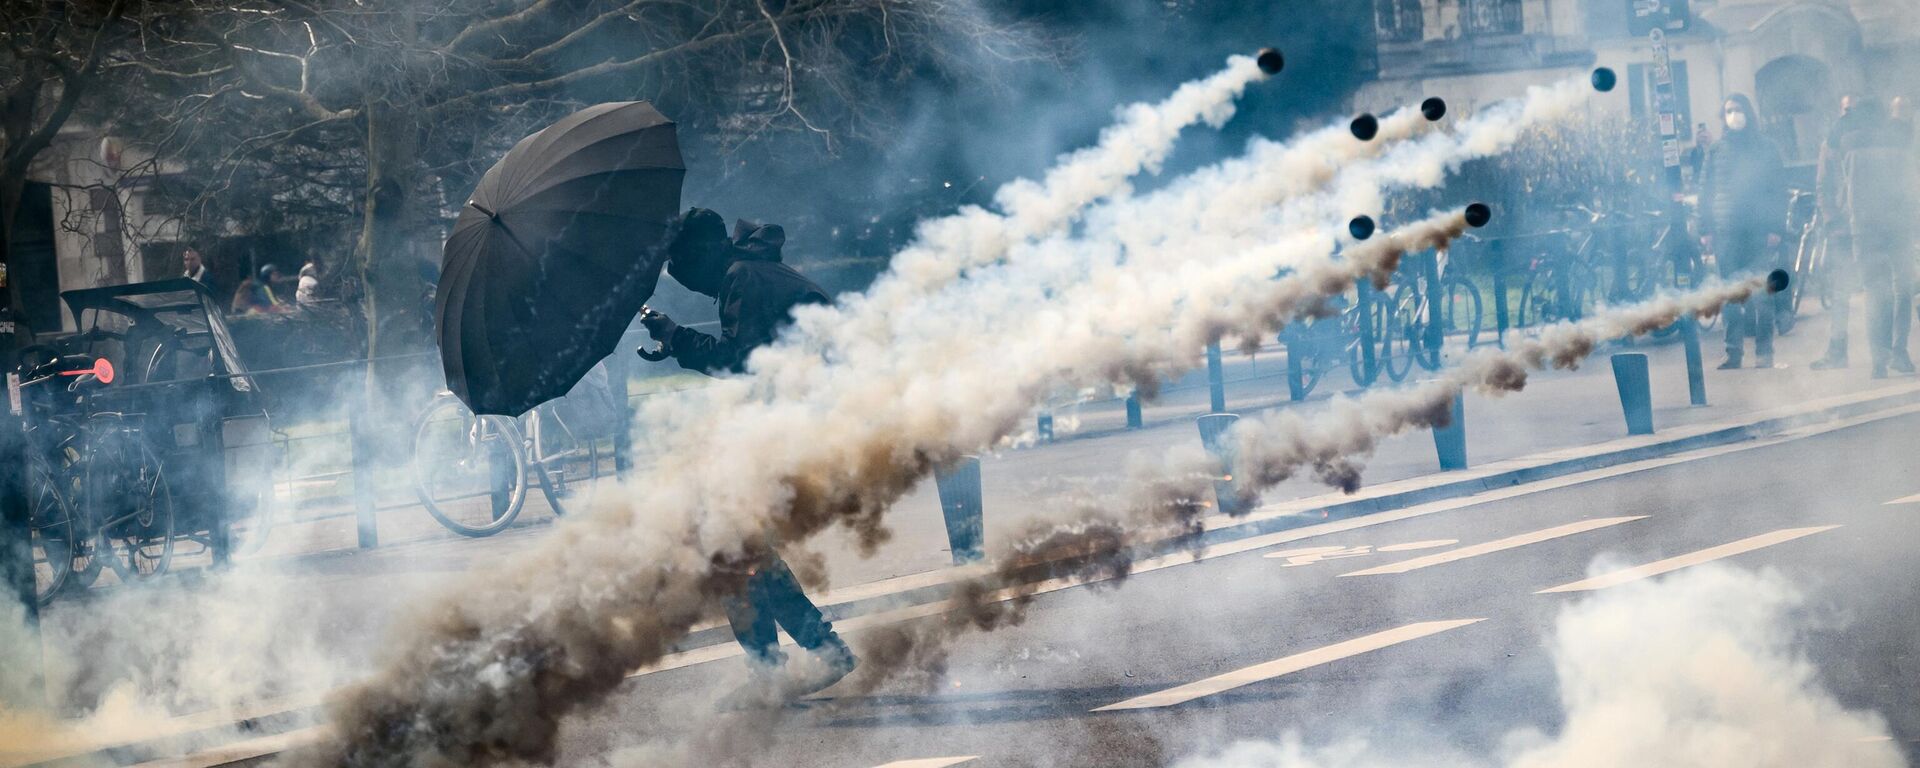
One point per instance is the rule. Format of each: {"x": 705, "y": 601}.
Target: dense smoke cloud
{"x": 1168, "y": 497}
{"x": 481, "y": 680}
{"x": 1719, "y": 684}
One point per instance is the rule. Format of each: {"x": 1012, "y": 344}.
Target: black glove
{"x": 659, "y": 326}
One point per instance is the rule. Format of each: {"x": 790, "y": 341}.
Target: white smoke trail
{"x": 1719, "y": 684}
{"x": 487, "y": 679}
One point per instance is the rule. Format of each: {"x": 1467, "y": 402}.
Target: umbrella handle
{"x": 655, "y": 356}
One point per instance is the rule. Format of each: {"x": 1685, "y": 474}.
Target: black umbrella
{"x": 558, "y": 249}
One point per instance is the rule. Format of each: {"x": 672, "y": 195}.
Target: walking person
{"x": 1873, "y": 164}
{"x": 1742, "y": 211}
{"x": 756, "y": 296}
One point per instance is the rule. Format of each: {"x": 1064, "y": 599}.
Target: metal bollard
{"x": 1216, "y": 379}
{"x": 1135, "y": 420}
{"x": 1696, "y": 368}
{"x": 960, "y": 504}
{"x": 1296, "y": 378}
{"x": 1450, "y": 441}
{"x": 1043, "y": 427}
{"x": 1636, "y": 398}
{"x": 361, "y": 441}
{"x": 1213, "y": 430}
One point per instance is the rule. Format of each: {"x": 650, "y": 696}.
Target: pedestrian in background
{"x": 1873, "y": 164}
{"x": 1838, "y": 265}
{"x": 307, "y": 291}
{"x": 196, "y": 267}
{"x": 1742, "y": 211}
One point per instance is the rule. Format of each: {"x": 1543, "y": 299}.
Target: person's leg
{"x": 1840, "y": 270}
{"x": 1877, "y": 278}
{"x": 809, "y": 628}
{"x": 1731, "y": 259}
{"x": 1901, "y": 269}
{"x": 753, "y": 621}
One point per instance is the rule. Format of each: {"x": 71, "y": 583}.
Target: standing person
{"x": 255, "y": 295}
{"x": 756, "y": 296}
{"x": 1742, "y": 210}
{"x": 1838, "y": 264}
{"x": 196, "y": 267}
{"x": 1874, "y": 193}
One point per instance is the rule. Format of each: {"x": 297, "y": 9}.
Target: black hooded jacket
{"x": 756, "y": 296}
{"x": 1742, "y": 188}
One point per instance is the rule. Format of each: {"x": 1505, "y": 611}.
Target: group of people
{"x": 1865, "y": 190}
{"x": 262, "y": 292}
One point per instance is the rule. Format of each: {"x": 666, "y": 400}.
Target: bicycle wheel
{"x": 1402, "y": 339}
{"x": 1460, "y": 310}
{"x": 55, "y": 534}
{"x": 1373, "y": 318}
{"x": 469, "y": 472}
{"x": 1306, "y": 345}
{"x": 570, "y": 471}
{"x": 133, "y": 506}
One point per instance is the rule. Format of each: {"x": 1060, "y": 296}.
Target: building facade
{"x": 1794, "y": 57}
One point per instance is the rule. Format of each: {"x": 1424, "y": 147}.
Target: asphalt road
{"x": 1024, "y": 695}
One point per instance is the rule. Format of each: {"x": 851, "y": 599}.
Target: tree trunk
{"x": 386, "y": 258}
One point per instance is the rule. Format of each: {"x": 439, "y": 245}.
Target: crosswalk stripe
{"x": 1290, "y": 664}
{"x": 929, "y": 762}
{"x": 1914, "y": 499}
{"x": 1484, "y": 548}
{"x": 1687, "y": 560}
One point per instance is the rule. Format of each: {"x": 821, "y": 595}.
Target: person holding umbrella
{"x": 756, "y": 295}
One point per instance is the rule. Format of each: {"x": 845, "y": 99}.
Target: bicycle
{"x": 1560, "y": 286}
{"x": 471, "y": 472}
{"x": 1431, "y": 303}
{"x": 1809, "y": 263}
{"x": 1316, "y": 346}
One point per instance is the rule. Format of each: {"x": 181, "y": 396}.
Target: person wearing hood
{"x": 1840, "y": 277}
{"x": 1743, "y": 206}
{"x": 1872, "y": 191}
{"x": 756, "y": 295}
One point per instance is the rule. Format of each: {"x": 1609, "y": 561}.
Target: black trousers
{"x": 1885, "y": 261}
{"x": 1743, "y": 254}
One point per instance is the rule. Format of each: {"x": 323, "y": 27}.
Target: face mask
{"x": 1737, "y": 121}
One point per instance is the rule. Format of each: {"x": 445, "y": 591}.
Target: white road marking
{"x": 1311, "y": 555}
{"x": 1914, "y": 499}
{"x": 1497, "y": 545}
{"x": 1288, "y": 665}
{"x": 1413, "y": 545}
{"x": 1687, "y": 560}
{"x": 929, "y": 762}
{"x": 242, "y": 750}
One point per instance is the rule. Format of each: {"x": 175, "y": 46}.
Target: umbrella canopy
{"x": 554, "y": 255}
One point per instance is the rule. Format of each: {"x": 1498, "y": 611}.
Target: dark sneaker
{"x": 827, "y": 665}
{"x": 1731, "y": 363}
{"x": 1879, "y": 370}
{"x": 1901, "y": 362}
{"x": 1830, "y": 362}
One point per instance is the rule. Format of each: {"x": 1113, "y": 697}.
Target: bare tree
{"x": 417, "y": 97}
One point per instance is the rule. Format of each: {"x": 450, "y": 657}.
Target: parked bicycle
{"x": 1430, "y": 304}
{"x": 471, "y": 472}
{"x": 1344, "y": 338}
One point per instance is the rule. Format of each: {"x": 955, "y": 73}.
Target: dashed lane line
{"x": 1497, "y": 545}
{"x": 1914, "y": 499}
{"x": 1687, "y": 560}
{"x": 1287, "y": 665}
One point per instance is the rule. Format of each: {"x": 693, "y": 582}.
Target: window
{"x": 1493, "y": 17}
{"x": 1399, "y": 21}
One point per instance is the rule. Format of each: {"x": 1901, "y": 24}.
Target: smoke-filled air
{"x": 1355, "y": 385}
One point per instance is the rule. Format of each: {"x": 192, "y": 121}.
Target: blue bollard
{"x": 1134, "y": 418}
{"x": 960, "y": 504}
{"x": 1696, "y": 368}
{"x": 1216, "y": 379}
{"x": 1450, "y": 441}
{"x": 1636, "y": 398}
{"x": 1213, "y": 430}
{"x": 1043, "y": 429}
